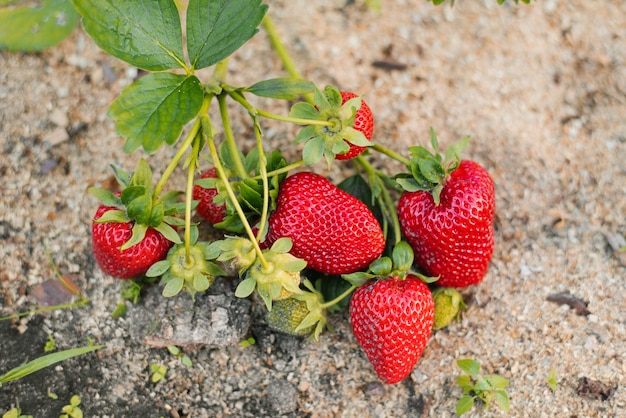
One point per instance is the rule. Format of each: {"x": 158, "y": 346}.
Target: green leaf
{"x": 173, "y": 287}
{"x": 282, "y": 88}
{"x": 155, "y": 108}
{"x": 45, "y": 361}
{"x": 143, "y": 33}
{"x": 498, "y": 382}
{"x": 464, "y": 381}
{"x": 469, "y": 366}
{"x": 502, "y": 399}
{"x": 34, "y": 28}
{"x": 464, "y": 405}
{"x": 216, "y": 29}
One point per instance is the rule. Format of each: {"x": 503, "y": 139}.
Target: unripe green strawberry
{"x": 287, "y": 315}
{"x": 448, "y": 306}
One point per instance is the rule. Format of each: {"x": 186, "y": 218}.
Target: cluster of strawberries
{"x": 443, "y": 237}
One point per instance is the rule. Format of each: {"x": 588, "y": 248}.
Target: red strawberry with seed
{"x": 108, "y": 237}
{"x": 450, "y": 223}
{"x": 333, "y": 231}
{"x": 392, "y": 320}
{"x": 363, "y": 122}
{"x": 206, "y": 208}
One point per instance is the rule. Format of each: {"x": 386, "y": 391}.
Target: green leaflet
{"x": 217, "y": 28}
{"x": 143, "y": 33}
{"x": 30, "y": 28}
{"x": 155, "y": 108}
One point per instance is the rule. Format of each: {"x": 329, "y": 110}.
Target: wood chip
{"x": 595, "y": 389}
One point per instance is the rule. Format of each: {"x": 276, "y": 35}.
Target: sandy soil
{"x": 540, "y": 88}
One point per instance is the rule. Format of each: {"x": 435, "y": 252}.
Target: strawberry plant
{"x": 305, "y": 246}
{"x": 477, "y": 387}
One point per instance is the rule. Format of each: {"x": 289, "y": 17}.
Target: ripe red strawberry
{"x": 206, "y": 208}
{"x": 108, "y": 237}
{"x": 333, "y": 231}
{"x": 392, "y": 320}
{"x": 452, "y": 233}
{"x": 363, "y": 122}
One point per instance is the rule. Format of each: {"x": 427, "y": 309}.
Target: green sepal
{"x": 358, "y": 278}
{"x": 116, "y": 216}
{"x": 159, "y": 268}
{"x": 245, "y": 288}
{"x": 106, "y": 197}
{"x": 282, "y": 245}
{"x": 313, "y": 150}
{"x": 123, "y": 177}
{"x": 304, "y": 110}
{"x": 140, "y": 209}
{"x": 138, "y": 234}
{"x": 168, "y": 232}
{"x": 173, "y": 287}
{"x": 200, "y": 282}
{"x": 281, "y": 88}
{"x": 402, "y": 256}
{"x": 428, "y": 170}
{"x": 131, "y": 193}
{"x": 381, "y": 267}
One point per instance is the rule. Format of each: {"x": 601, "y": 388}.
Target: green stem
{"x": 193, "y": 165}
{"x": 79, "y": 302}
{"x": 386, "y": 201}
{"x": 392, "y": 154}
{"x": 181, "y": 151}
{"x": 206, "y": 127}
{"x": 264, "y": 177}
{"x": 297, "y": 121}
{"x": 278, "y": 171}
{"x": 282, "y": 52}
{"x": 279, "y": 47}
{"x": 230, "y": 138}
{"x": 239, "y": 98}
{"x": 339, "y": 298}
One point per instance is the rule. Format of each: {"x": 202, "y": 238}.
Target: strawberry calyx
{"x": 274, "y": 277}
{"x": 136, "y": 203}
{"x": 430, "y": 170}
{"x": 448, "y": 306}
{"x": 192, "y": 271}
{"x": 335, "y": 137}
{"x": 398, "y": 266}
